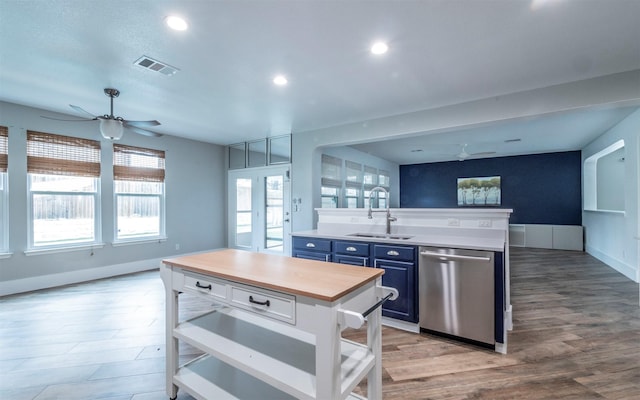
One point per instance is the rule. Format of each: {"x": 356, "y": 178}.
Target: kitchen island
{"x": 275, "y": 332}
{"x": 350, "y": 236}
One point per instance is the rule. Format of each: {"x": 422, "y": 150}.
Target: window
{"x": 63, "y": 174}
{"x": 370, "y": 181}
{"x": 353, "y": 184}
{"x": 331, "y": 183}
{"x": 138, "y": 175}
{"x": 4, "y": 192}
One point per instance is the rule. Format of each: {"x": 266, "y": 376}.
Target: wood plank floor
{"x": 576, "y": 336}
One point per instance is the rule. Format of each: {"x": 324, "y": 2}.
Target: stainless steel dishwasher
{"x": 456, "y": 293}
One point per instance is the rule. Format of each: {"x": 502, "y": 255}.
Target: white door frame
{"x": 258, "y": 200}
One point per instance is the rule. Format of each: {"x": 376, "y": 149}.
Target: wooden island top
{"x": 316, "y": 279}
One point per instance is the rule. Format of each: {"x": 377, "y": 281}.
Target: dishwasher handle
{"x": 452, "y": 257}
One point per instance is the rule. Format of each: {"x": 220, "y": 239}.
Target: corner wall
{"x": 614, "y": 238}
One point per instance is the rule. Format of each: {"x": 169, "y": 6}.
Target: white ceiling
{"x": 54, "y": 53}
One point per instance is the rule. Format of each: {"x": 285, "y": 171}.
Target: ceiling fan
{"x": 463, "y": 155}
{"x": 112, "y": 127}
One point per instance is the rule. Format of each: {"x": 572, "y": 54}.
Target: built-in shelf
{"x": 541, "y": 236}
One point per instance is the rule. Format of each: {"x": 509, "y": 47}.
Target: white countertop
{"x": 472, "y": 242}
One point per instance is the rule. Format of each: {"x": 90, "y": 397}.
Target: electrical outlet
{"x": 453, "y": 222}
{"x": 484, "y": 223}
{"x": 177, "y": 246}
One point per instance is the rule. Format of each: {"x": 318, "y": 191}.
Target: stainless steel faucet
{"x": 371, "y": 211}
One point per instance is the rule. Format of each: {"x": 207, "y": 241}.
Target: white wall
{"x": 613, "y": 237}
{"x": 195, "y": 206}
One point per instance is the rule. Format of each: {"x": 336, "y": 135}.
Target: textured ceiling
{"x": 55, "y": 53}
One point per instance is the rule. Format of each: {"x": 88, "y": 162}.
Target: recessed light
{"x": 379, "y": 48}
{"x": 280, "y": 80}
{"x": 176, "y": 23}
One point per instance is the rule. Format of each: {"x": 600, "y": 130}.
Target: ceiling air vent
{"x": 155, "y": 65}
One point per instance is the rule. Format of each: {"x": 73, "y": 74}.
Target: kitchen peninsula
{"x": 349, "y": 236}
{"x": 274, "y": 332}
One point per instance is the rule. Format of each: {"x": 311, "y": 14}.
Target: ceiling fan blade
{"x": 68, "y": 120}
{"x": 81, "y": 110}
{"x": 143, "y": 131}
{"x": 141, "y": 124}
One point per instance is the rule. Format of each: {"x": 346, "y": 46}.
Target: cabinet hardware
{"x": 392, "y": 253}
{"x": 260, "y": 303}
{"x": 201, "y": 286}
{"x": 350, "y": 248}
{"x": 311, "y": 245}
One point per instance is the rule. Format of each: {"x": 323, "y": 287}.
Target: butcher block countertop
{"x": 315, "y": 279}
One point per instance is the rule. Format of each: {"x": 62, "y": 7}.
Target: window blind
{"x": 331, "y": 171}
{"x": 353, "y": 174}
{"x": 137, "y": 164}
{"x": 62, "y": 155}
{"x": 4, "y": 148}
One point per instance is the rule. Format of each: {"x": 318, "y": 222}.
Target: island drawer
{"x": 315, "y": 244}
{"x": 352, "y": 248}
{"x": 276, "y": 305}
{"x": 205, "y": 285}
{"x": 397, "y": 253}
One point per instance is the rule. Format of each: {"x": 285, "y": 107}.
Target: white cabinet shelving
{"x": 252, "y": 353}
{"x": 541, "y": 236}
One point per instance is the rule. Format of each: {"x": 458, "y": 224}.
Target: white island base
{"x": 276, "y": 330}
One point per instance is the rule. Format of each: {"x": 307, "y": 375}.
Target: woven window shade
{"x": 4, "y": 148}
{"x": 62, "y": 155}
{"x": 137, "y": 164}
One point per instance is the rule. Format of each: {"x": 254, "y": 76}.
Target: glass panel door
{"x": 259, "y": 209}
{"x": 243, "y": 223}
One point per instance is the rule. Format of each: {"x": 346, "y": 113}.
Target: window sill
{"x": 63, "y": 249}
{"x": 5, "y": 255}
{"x": 130, "y": 242}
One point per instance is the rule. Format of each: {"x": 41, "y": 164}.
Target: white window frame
{"x": 97, "y": 221}
{"x": 161, "y": 215}
{"x": 161, "y": 235}
{"x": 4, "y": 214}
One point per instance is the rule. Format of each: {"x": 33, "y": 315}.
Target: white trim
{"x": 142, "y": 240}
{"x": 626, "y": 270}
{"x": 5, "y": 255}
{"x": 399, "y": 324}
{"x": 63, "y": 249}
{"x": 66, "y": 278}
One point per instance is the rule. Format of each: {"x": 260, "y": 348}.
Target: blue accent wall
{"x": 540, "y": 188}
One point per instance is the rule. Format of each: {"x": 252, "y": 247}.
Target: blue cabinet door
{"x": 402, "y": 276}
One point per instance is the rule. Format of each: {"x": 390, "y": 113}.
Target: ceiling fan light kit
{"x": 111, "y": 129}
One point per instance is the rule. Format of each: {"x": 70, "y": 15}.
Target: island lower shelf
{"x": 248, "y": 356}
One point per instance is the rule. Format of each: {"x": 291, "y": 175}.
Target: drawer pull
{"x": 260, "y": 303}
{"x": 350, "y": 248}
{"x": 201, "y": 286}
{"x": 311, "y": 245}
{"x": 392, "y": 253}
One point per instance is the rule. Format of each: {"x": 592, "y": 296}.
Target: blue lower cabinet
{"x": 399, "y": 264}
{"x": 312, "y": 248}
{"x": 402, "y": 276}
{"x": 352, "y": 253}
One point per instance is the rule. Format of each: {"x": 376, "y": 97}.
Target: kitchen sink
{"x": 380, "y": 236}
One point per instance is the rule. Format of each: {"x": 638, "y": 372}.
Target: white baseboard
{"x": 626, "y": 270}
{"x": 67, "y": 278}
{"x": 399, "y": 324}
